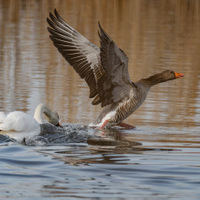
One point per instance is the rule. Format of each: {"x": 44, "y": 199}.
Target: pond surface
{"x": 160, "y": 159}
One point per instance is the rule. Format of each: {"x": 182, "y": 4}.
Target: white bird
{"x": 28, "y": 126}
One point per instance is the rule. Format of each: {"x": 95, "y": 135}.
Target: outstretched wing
{"x": 105, "y": 70}
{"x": 115, "y": 83}
{"x": 81, "y": 54}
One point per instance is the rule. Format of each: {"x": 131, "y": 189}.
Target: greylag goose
{"x": 105, "y": 70}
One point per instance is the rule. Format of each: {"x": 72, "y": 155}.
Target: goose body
{"x": 115, "y": 113}
{"x": 25, "y": 125}
{"x": 105, "y": 70}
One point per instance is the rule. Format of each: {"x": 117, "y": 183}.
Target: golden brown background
{"x": 156, "y": 35}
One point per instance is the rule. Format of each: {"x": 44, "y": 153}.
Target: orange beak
{"x": 178, "y": 75}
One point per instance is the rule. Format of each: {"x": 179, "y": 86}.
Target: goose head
{"x": 162, "y": 77}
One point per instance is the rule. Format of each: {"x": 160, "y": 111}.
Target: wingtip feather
{"x": 57, "y": 14}
{"x": 102, "y": 34}
{"x": 55, "y": 11}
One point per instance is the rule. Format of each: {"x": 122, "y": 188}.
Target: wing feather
{"x": 76, "y": 49}
{"x": 104, "y": 69}
{"x": 115, "y": 84}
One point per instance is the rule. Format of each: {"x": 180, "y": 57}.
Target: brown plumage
{"x": 105, "y": 70}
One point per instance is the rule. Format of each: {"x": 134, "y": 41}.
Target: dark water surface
{"x": 158, "y": 160}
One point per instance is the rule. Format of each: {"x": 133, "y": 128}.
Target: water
{"x": 158, "y": 160}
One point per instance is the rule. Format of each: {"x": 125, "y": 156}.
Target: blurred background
{"x": 156, "y": 35}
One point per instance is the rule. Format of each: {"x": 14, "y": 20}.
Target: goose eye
{"x": 172, "y": 73}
